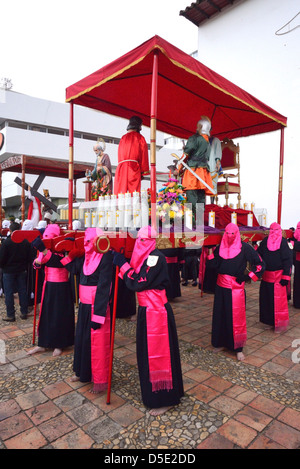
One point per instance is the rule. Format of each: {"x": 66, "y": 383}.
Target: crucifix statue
{"x": 34, "y": 192}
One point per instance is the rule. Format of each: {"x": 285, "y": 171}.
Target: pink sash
{"x": 281, "y": 310}
{"x": 160, "y": 371}
{"x": 238, "y": 308}
{"x": 100, "y": 352}
{"x": 100, "y": 338}
{"x": 172, "y": 260}
{"x": 55, "y": 274}
{"x": 87, "y": 294}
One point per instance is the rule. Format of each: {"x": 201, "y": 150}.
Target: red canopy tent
{"x": 170, "y": 90}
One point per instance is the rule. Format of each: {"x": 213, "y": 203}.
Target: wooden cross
{"x": 35, "y": 193}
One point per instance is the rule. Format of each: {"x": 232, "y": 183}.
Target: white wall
{"x": 241, "y": 45}
{"x": 19, "y": 107}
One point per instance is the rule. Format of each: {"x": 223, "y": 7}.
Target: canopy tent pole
{"x": 71, "y": 164}
{"x": 153, "y": 116}
{"x": 279, "y": 209}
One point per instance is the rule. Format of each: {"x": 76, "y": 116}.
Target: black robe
{"x": 274, "y": 260}
{"x": 155, "y": 278}
{"x": 126, "y": 303}
{"x": 222, "y": 323}
{"x": 56, "y": 322}
{"x": 174, "y": 257}
{"x": 31, "y": 280}
{"x": 101, "y": 278}
{"x": 190, "y": 270}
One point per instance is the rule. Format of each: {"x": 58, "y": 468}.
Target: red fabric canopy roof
{"x": 187, "y": 89}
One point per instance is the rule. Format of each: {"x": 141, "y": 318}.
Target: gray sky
{"x": 47, "y": 46}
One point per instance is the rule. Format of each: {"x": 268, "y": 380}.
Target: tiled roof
{"x": 202, "y": 10}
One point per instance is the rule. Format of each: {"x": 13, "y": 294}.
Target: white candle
{"x": 128, "y": 199}
{"x": 110, "y": 219}
{"x": 101, "y": 218}
{"x": 188, "y": 219}
{"x": 93, "y": 219}
{"x": 101, "y": 202}
{"x": 145, "y": 211}
{"x": 107, "y": 202}
{"x": 113, "y": 202}
{"x": 211, "y": 219}
{"x": 137, "y": 217}
{"x": 250, "y": 219}
{"x": 87, "y": 219}
{"x": 127, "y": 217}
{"x": 234, "y": 218}
{"x": 246, "y": 206}
{"x": 252, "y": 207}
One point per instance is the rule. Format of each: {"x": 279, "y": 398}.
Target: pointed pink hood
{"x": 275, "y": 237}
{"x": 231, "y": 243}
{"x": 92, "y": 258}
{"x": 144, "y": 245}
{"x": 51, "y": 231}
{"x": 297, "y": 232}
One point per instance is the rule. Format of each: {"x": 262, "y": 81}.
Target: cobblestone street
{"x": 228, "y": 404}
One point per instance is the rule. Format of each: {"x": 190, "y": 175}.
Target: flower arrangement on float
{"x": 170, "y": 201}
{"x": 99, "y": 189}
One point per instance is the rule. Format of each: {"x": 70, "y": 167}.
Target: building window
{"x": 56, "y": 131}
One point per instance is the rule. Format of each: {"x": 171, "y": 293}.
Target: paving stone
{"x": 238, "y": 433}
{"x": 203, "y": 393}
{"x": 14, "y": 425}
{"x": 216, "y": 441}
{"x": 102, "y": 429}
{"x": 25, "y": 362}
{"x": 69, "y": 401}
{"x": 85, "y": 413}
{"x": 32, "y": 399}
{"x": 267, "y": 406}
{"x": 290, "y": 417}
{"x": 6, "y": 369}
{"x": 8, "y": 409}
{"x": 284, "y": 435}
{"x": 227, "y": 405}
{"x": 73, "y": 440}
{"x": 57, "y": 427}
{"x": 57, "y": 389}
{"x": 262, "y": 442}
{"x": 253, "y": 418}
{"x": 126, "y": 415}
{"x": 30, "y": 439}
{"x": 43, "y": 412}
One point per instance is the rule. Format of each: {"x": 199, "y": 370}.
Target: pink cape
{"x": 275, "y": 237}
{"x": 231, "y": 243}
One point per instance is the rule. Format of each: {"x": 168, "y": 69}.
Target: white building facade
{"x": 40, "y": 128}
{"x": 255, "y": 44}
